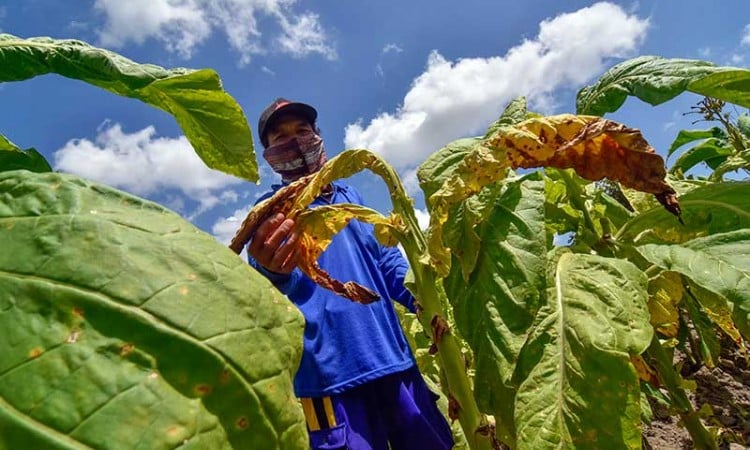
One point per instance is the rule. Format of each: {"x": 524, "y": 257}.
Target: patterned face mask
{"x": 296, "y": 157}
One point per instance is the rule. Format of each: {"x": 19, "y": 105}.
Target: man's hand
{"x": 274, "y": 245}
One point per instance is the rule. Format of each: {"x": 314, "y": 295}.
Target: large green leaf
{"x": 13, "y": 158}
{"x": 712, "y": 151}
{"x": 730, "y": 164}
{"x": 495, "y": 307}
{"x": 688, "y": 136}
{"x": 577, "y": 358}
{"x": 717, "y": 308}
{"x": 124, "y": 327}
{"x": 730, "y": 85}
{"x": 656, "y": 80}
{"x": 211, "y": 119}
{"x": 719, "y": 263}
{"x": 709, "y": 209}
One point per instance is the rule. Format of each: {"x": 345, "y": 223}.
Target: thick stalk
{"x": 432, "y": 301}
{"x": 433, "y": 304}
{"x": 432, "y": 296}
{"x": 702, "y": 439}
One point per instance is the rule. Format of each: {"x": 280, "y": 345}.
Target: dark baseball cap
{"x": 283, "y": 106}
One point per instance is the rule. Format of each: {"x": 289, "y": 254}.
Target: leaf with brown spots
{"x": 577, "y": 357}
{"x": 595, "y": 148}
{"x": 107, "y": 351}
{"x": 317, "y": 226}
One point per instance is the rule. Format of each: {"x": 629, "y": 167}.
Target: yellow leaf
{"x": 645, "y": 372}
{"x": 594, "y": 147}
{"x": 317, "y": 226}
{"x": 665, "y": 294}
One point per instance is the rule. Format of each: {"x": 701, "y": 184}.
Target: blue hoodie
{"x": 347, "y": 344}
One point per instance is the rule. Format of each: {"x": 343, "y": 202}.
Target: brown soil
{"x": 725, "y": 389}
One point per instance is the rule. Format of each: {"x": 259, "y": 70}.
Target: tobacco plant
{"x": 128, "y": 327}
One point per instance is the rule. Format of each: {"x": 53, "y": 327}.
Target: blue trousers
{"x": 398, "y": 409}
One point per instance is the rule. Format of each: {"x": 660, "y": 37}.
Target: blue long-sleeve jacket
{"x": 347, "y": 343}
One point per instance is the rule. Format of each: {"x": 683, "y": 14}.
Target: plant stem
{"x": 702, "y": 439}
{"x": 433, "y": 304}
{"x": 432, "y": 296}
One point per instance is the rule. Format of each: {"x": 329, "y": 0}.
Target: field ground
{"x": 726, "y": 389}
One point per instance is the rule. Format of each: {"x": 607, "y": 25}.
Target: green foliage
{"x": 125, "y": 326}
{"x": 211, "y": 119}
{"x": 708, "y": 209}
{"x": 719, "y": 263}
{"x": 577, "y": 356}
{"x": 13, "y": 158}
{"x": 656, "y": 80}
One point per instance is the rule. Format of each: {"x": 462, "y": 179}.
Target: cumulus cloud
{"x": 423, "y": 218}
{"x": 225, "y": 228}
{"x": 303, "y": 35}
{"x": 181, "y": 25}
{"x": 144, "y": 164}
{"x": 451, "y": 99}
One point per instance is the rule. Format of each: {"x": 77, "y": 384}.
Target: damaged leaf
{"x": 317, "y": 226}
{"x": 595, "y": 148}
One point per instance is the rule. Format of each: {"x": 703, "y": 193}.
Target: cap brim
{"x": 301, "y": 109}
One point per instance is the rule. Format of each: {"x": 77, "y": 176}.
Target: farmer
{"x": 357, "y": 381}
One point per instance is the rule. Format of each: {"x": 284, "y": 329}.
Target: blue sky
{"x": 401, "y": 78}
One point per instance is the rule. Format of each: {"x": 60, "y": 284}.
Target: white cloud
{"x": 423, "y": 218}
{"x": 392, "y": 48}
{"x": 181, "y": 25}
{"x": 746, "y": 36}
{"x": 379, "y": 70}
{"x": 411, "y": 182}
{"x": 225, "y": 228}
{"x": 454, "y": 99}
{"x": 77, "y": 26}
{"x": 388, "y": 48}
{"x": 303, "y": 35}
{"x": 144, "y": 164}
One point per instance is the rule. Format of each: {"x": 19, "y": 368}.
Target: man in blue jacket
{"x": 358, "y": 382}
